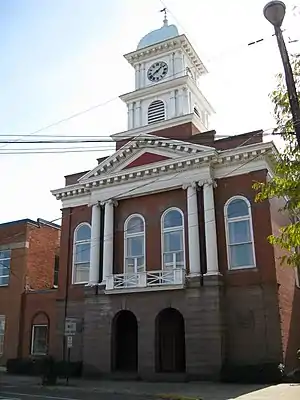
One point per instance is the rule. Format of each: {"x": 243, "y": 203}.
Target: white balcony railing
{"x": 146, "y": 279}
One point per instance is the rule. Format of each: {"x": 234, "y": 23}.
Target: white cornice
{"x": 165, "y": 86}
{"x": 173, "y": 149}
{"x": 177, "y": 42}
{"x": 242, "y": 157}
{"x": 155, "y": 128}
{"x": 161, "y": 87}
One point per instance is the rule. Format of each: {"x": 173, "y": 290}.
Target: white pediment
{"x": 160, "y": 148}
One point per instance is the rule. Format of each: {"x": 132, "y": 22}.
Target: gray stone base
{"x": 200, "y": 308}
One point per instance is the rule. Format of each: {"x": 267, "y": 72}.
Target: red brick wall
{"x": 289, "y": 294}
{"x": 239, "y": 140}
{"x": 44, "y": 245}
{"x": 250, "y": 303}
{"x": 242, "y": 185}
{"x": 180, "y": 132}
{"x": 151, "y": 207}
{"x": 71, "y": 217}
{"x": 39, "y": 308}
{"x": 10, "y": 296}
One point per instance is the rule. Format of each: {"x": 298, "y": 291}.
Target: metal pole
{"x": 290, "y": 83}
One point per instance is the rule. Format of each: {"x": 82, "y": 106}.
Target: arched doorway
{"x": 170, "y": 341}
{"x": 125, "y": 342}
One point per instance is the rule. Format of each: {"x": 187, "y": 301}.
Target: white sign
{"x": 70, "y": 342}
{"x": 70, "y": 327}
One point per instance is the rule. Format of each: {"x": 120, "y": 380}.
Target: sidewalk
{"x": 191, "y": 390}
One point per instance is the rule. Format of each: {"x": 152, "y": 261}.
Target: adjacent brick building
{"x": 28, "y": 250}
{"x": 164, "y": 260}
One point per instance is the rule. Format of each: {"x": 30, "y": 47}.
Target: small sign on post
{"x": 70, "y": 327}
{"x": 70, "y": 342}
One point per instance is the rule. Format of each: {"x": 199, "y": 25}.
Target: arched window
{"x": 156, "y": 111}
{"x": 239, "y": 233}
{"x": 81, "y": 257}
{"x": 134, "y": 244}
{"x": 172, "y": 225}
{"x": 39, "y": 334}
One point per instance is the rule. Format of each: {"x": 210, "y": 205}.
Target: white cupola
{"x": 167, "y": 72}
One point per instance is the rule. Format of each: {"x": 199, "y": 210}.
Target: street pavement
{"x": 29, "y": 388}
{"x": 27, "y": 392}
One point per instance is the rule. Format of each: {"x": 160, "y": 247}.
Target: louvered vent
{"x": 156, "y": 111}
{"x": 196, "y": 112}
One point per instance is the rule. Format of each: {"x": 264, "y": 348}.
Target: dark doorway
{"x": 125, "y": 342}
{"x": 170, "y": 341}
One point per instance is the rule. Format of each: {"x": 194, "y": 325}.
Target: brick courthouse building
{"x": 164, "y": 254}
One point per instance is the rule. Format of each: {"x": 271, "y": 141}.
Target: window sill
{"x": 79, "y": 283}
{"x": 4, "y": 285}
{"x": 242, "y": 269}
{"x": 38, "y": 355}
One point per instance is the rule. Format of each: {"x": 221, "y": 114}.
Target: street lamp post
{"x": 274, "y": 12}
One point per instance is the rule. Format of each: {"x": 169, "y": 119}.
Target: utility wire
{"x": 77, "y": 114}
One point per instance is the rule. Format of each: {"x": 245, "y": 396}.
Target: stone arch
{"x": 170, "y": 341}
{"x": 124, "y": 342}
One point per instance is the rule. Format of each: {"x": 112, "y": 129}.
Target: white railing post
{"x": 142, "y": 279}
{"x": 174, "y": 260}
{"x": 110, "y": 282}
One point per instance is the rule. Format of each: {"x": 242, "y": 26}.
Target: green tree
{"x": 286, "y": 180}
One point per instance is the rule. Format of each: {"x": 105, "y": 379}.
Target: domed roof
{"x": 159, "y": 35}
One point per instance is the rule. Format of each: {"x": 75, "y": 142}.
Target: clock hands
{"x": 157, "y": 71}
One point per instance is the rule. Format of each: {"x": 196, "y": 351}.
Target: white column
{"x": 193, "y": 229}
{"x": 185, "y": 101}
{"x": 171, "y": 65}
{"x": 95, "y": 245}
{"x": 179, "y": 102}
{"x": 130, "y": 116}
{"x": 137, "y": 114}
{"x": 142, "y": 75}
{"x": 178, "y": 64}
{"x": 108, "y": 242}
{"x": 172, "y": 108}
{"x": 137, "y": 76}
{"x": 210, "y": 228}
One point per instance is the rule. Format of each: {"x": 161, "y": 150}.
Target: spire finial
{"x": 164, "y": 10}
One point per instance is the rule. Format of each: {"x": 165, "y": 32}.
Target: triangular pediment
{"x": 141, "y": 152}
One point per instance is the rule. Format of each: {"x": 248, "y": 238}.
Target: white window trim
{"x": 126, "y": 236}
{"x": 173, "y": 229}
{"x": 249, "y": 218}
{"x": 3, "y": 318}
{"x": 165, "y": 111}
{"x": 8, "y": 272}
{"x": 32, "y": 339}
{"x": 74, "y": 250}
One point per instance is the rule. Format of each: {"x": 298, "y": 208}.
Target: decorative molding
{"x": 191, "y": 184}
{"x": 179, "y": 43}
{"x": 209, "y": 182}
{"x": 112, "y": 202}
{"x": 169, "y": 174}
{"x": 14, "y": 245}
{"x": 155, "y": 128}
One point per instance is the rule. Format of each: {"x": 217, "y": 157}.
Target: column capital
{"x": 189, "y": 184}
{"x": 95, "y": 204}
{"x": 208, "y": 182}
{"x": 110, "y": 202}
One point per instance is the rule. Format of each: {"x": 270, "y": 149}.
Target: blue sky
{"x": 59, "y": 57}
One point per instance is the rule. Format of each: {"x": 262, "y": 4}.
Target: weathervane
{"x": 164, "y": 10}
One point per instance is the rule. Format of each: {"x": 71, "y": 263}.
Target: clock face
{"x": 157, "y": 71}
